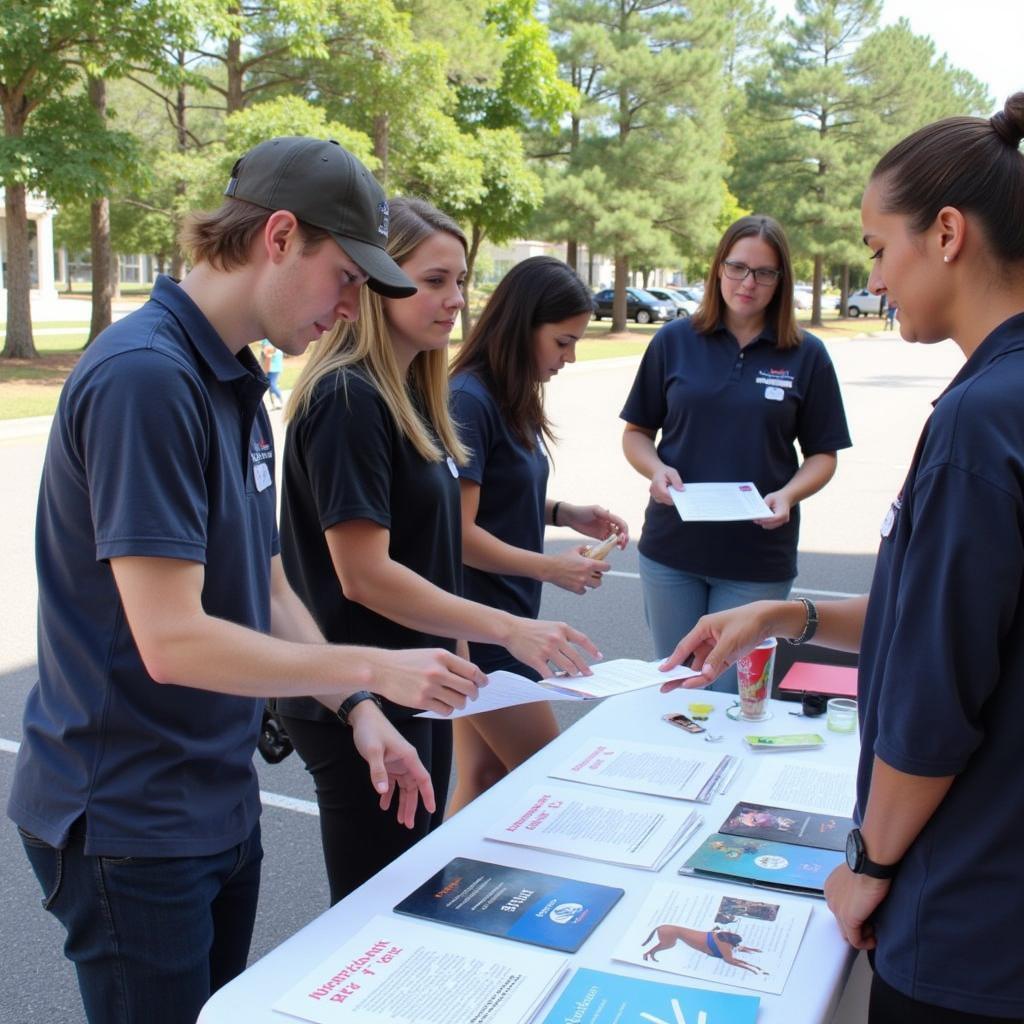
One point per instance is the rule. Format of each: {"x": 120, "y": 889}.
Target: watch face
{"x": 854, "y": 850}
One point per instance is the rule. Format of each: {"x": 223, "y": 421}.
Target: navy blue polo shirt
{"x": 160, "y": 447}
{"x": 513, "y": 483}
{"x": 345, "y": 459}
{"x": 729, "y": 413}
{"x": 942, "y": 690}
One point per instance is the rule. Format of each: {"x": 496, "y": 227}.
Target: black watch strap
{"x": 858, "y": 861}
{"x": 810, "y": 625}
{"x": 349, "y": 703}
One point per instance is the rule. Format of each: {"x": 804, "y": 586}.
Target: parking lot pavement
{"x": 887, "y": 385}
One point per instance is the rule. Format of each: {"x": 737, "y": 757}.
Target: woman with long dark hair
{"x": 731, "y": 391}
{"x": 526, "y": 333}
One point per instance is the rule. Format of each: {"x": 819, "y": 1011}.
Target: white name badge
{"x": 261, "y": 475}
{"x": 774, "y": 394}
{"x": 890, "y": 517}
{"x": 452, "y": 468}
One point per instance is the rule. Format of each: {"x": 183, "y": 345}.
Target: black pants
{"x": 887, "y": 1006}
{"x": 358, "y": 837}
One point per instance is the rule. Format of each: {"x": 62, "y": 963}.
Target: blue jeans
{"x": 674, "y": 600}
{"x": 150, "y": 937}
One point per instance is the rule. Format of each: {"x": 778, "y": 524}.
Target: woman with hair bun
{"x": 932, "y": 885}
{"x": 731, "y": 390}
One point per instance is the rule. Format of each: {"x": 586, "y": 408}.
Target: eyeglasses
{"x": 736, "y": 271}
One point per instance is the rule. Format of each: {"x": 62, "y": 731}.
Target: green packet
{"x": 789, "y": 741}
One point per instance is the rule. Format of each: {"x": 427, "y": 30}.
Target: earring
{"x": 945, "y": 259}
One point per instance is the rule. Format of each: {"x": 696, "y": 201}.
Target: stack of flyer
{"x": 396, "y": 971}
{"x": 671, "y": 771}
{"x": 789, "y": 837}
{"x": 582, "y": 822}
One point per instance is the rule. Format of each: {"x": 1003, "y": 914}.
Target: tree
{"x": 53, "y": 139}
{"x": 509, "y": 193}
{"x": 652, "y": 84}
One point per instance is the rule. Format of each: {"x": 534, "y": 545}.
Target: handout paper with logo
{"x": 514, "y": 903}
{"x": 719, "y": 502}
{"x": 706, "y": 931}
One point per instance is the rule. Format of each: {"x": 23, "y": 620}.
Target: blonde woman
{"x": 370, "y": 529}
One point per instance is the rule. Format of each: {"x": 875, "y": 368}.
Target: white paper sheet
{"x": 770, "y": 926}
{"x": 397, "y": 971}
{"x": 507, "y": 689}
{"x": 683, "y": 774}
{"x": 802, "y": 785}
{"x": 719, "y": 502}
{"x": 584, "y": 822}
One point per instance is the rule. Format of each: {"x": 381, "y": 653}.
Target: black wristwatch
{"x": 858, "y": 861}
{"x": 349, "y": 703}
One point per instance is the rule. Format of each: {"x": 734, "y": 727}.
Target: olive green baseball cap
{"x": 325, "y": 186}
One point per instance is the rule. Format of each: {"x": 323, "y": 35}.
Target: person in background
{"x": 273, "y": 361}
{"x": 932, "y": 878}
{"x": 164, "y": 615}
{"x": 731, "y": 390}
{"x": 527, "y": 333}
{"x": 371, "y": 529}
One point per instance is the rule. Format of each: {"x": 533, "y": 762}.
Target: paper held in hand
{"x": 719, "y": 502}
{"x": 623, "y": 675}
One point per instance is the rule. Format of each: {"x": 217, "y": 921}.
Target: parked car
{"x": 803, "y": 297}
{"x": 641, "y": 306}
{"x": 685, "y": 304}
{"x": 864, "y": 303}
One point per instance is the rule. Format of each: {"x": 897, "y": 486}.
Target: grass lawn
{"x": 31, "y": 387}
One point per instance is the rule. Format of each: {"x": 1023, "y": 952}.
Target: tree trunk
{"x": 572, "y": 253}
{"x": 476, "y": 236}
{"x": 233, "y": 64}
{"x": 819, "y": 265}
{"x": 381, "y": 131}
{"x": 99, "y": 233}
{"x": 619, "y": 302}
{"x": 844, "y": 289}
{"x": 181, "y": 127}
{"x": 18, "y": 343}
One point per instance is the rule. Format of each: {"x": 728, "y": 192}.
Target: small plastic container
{"x": 842, "y": 715}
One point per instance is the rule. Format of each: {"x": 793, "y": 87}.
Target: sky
{"x": 985, "y": 37}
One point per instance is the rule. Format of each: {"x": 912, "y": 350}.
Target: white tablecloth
{"x": 823, "y": 963}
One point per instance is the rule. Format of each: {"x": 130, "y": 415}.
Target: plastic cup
{"x": 754, "y": 672}
{"x": 842, "y": 714}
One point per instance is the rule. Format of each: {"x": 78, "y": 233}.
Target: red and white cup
{"x": 754, "y": 672}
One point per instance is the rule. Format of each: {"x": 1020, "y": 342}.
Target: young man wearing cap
{"x": 163, "y": 608}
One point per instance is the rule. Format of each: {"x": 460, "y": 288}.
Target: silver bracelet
{"x": 810, "y": 626}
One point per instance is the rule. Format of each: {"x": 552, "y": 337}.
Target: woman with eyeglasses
{"x": 731, "y": 390}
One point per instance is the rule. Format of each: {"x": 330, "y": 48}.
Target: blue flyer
{"x": 513, "y": 903}
{"x": 595, "y": 997}
{"x": 765, "y": 863}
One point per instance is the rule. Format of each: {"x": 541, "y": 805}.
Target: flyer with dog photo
{"x": 704, "y": 931}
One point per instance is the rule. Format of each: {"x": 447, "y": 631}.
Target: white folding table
{"x": 823, "y": 964}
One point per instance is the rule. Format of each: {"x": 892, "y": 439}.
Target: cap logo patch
{"x": 385, "y": 216}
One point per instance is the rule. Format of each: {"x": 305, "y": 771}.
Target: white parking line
{"x": 288, "y": 803}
